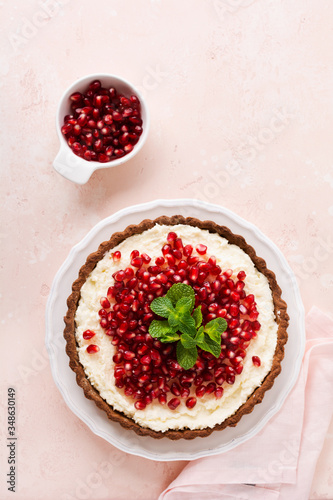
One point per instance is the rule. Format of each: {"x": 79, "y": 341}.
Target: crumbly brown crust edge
{"x": 280, "y": 309}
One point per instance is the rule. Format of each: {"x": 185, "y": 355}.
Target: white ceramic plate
{"x": 96, "y": 419}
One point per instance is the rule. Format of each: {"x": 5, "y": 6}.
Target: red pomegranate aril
{"x": 256, "y": 326}
{"x": 119, "y": 372}
{"x": 88, "y": 334}
{"x": 177, "y": 254}
{"x": 174, "y": 365}
{"x": 219, "y": 380}
{"x": 249, "y": 300}
{"x": 116, "y": 256}
{"x": 170, "y": 259}
{"x": 246, "y": 336}
{"x": 119, "y": 152}
{"x": 242, "y": 309}
{"x": 91, "y": 124}
{"x": 187, "y": 250}
{"x": 82, "y": 119}
{"x": 219, "y": 392}
{"x": 172, "y": 236}
{"x": 173, "y": 403}
{"x": 117, "y": 358}
{"x": 184, "y": 392}
{"x": 95, "y": 85}
{"x": 175, "y": 389}
{"x": 201, "y": 249}
{"x": 76, "y": 97}
{"x": 117, "y": 117}
{"x": 239, "y": 369}
{"x": 92, "y": 349}
{"x": 200, "y": 391}
{"x": 211, "y": 387}
{"x": 135, "y": 100}
{"x": 108, "y": 120}
{"x": 230, "y": 379}
{"x": 162, "y": 398}
{"x": 105, "y": 303}
{"x": 145, "y": 360}
{"x": 234, "y": 296}
{"x": 191, "y": 402}
{"x": 140, "y": 404}
{"x": 256, "y": 360}
{"x": 159, "y": 261}
{"x": 65, "y": 129}
{"x": 98, "y": 145}
{"x": 193, "y": 274}
{"x": 119, "y": 276}
{"x": 253, "y": 315}
{"x": 234, "y": 311}
{"x": 241, "y": 275}
{"x": 102, "y": 313}
{"x": 128, "y": 148}
{"x": 104, "y": 323}
{"x": 166, "y": 249}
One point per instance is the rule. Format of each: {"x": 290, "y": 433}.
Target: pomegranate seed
{"x": 184, "y": 392}
{"x": 140, "y": 404}
{"x": 201, "y": 249}
{"x": 119, "y": 276}
{"x": 200, "y": 391}
{"x": 116, "y": 256}
{"x": 241, "y": 275}
{"x": 94, "y": 85}
{"x": 105, "y": 303}
{"x": 219, "y": 392}
{"x": 88, "y": 334}
{"x": 211, "y": 387}
{"x": 162, "y": 399}
{"x": 175, "y": 389}
{"x": 191, "y": 402}
{"x": 76, "y": 97}
{"x": 193, "y": 274}
{"x": 92, "y": 349}
{"x": 117, "y": 358}
{"x": 173, "y": 403}
{"x": 256, "y": 360}
{"x": 188, "y": 249}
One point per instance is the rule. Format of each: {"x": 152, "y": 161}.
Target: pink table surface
{"x": 240, "y": 94}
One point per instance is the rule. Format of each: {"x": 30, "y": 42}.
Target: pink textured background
{"x": 240, "y": 94}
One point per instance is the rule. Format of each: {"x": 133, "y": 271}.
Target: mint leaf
{"x": 186, "y": 357}
{"x": 215, "y": 327}
{"x": 210, "y": 345}
{"x": 184, "y": 305}
{"x": 197, "y": 316}
{"x": 187, "y": 341}
{"x": 179, "y": 290}
{"x": 183, "y": 322}
{"x": 162, "y": 306}
{"x": 158, "y": 329}
{"x": 170, "y": 337}
{"x": 200, "y": 335}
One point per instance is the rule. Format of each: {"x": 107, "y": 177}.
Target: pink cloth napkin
{"x": 279, "y": 462}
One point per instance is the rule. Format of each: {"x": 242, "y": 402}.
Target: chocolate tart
{"x": 280, "y": 312}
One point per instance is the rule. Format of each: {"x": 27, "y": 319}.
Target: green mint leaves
{"x": 183, "y": 324}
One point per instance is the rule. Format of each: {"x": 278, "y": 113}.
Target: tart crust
{"x": 280, "y": 310}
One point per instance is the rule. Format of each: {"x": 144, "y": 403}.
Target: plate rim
{"x": 70, "y": 260}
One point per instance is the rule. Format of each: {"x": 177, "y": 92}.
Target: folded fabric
{"x": 279, "y": 462}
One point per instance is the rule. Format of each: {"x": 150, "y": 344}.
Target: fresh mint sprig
{"x": 183, "y": 324}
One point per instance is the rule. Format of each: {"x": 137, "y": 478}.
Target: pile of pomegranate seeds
{"x": 104, "y": 125}
{"x": 146, "y": 369}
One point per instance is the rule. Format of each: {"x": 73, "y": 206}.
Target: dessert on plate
{"x": 175, "y": 327}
